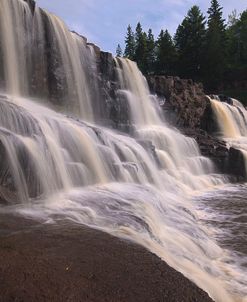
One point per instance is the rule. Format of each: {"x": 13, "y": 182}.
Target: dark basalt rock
{"x": 211, "y": 147}
{"x": 184, "y": 98}
{"x": 188, "y": 108}
{"x": 208, "y": 121}
{"x": 236, "y": 163}
{"x": 8, "y": 188}
{"x": 226, "y": 99}
{"x": 114, "y": 108}
{"x": 31, "y": 4}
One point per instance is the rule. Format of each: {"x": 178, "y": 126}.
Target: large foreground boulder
{"x": 69, "y": 262}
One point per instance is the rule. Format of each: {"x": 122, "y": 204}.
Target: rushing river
{"x": 224, "y": 213}
{"x": 152, "y": 186}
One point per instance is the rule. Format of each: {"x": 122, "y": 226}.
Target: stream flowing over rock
{"x": 186, "y": 107}
{"x": 82, "y": 138}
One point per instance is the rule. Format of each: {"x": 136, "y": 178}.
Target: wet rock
{"x": 211, "y": 147}
{"x": 185, "y": 101}
{"x": 208, "y": 121}
{"x": 226, "y": 99}
{"x": 188, "y": 108}
{"x": 114, "y": 108}
{"x": 236, "y": 163}
{"x": 68, "y": 262}
{"x": 31, "y": 4}
{"x": 150, "y": 148}
{"x": 48, "y": 75}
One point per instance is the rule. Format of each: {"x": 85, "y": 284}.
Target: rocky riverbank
{"x": 69, "y": 262}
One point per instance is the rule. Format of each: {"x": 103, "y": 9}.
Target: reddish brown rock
{"x": 68, "y": 262}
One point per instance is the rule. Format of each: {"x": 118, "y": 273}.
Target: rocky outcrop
{"x": 68, "y": 262}
{"x": 113, "y": 107}
{"x": 187, "y": 107}
{"x": 237, "y": 163}
{"x": 185, "y": 101}
{"x": 210, "y": 147}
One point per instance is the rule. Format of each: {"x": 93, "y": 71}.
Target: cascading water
{"x": 232, "y": 122}
{"x": 136, "y": 187}
{"x": 17, "y": 16}
{"x": 178, "y": 155}
{"x": 42, "y": 56}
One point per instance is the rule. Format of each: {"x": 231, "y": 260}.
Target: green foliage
{"x": 237, "y": 34}
{"x": 119, "y": 52}
{"x": 129, "y": 51}
{"x": 166, "y": 53}
{"x": 242, "y": 28}
{"x": 150, "y": 52}
{"x": 239, "y": 94}
{"x": 216, "y": 43}
{"x": 232, "y": 18}
{"x": 190, "y": 43}
{"x": 211, "y": 52}
{"x": 141, "y": 48}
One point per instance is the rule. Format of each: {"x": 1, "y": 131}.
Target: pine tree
{"x": 190, "y": 43}
{"x": 150, "y": 52}
{"x": 141, "y": 48}
{"x": 119, "y": 51}
{"x": 233, "y": 41}
{"x": 233, "y": 18}
{"x": 166, "y": 54}
{"x": 242, "y": 24}
{"x": 215, "y": 57}
{"x": 129, "y": 51}
{"x": 237, "y": 42}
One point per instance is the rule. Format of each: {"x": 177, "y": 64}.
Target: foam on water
{"x": 55, "y": 167}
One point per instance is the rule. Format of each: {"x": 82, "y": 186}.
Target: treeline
{"x": 203, "y": 49}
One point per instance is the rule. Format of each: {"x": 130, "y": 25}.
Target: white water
{"x": 137, "y": 187}
{"x": 232, "y": 122}
{"x": 15, "y": 15}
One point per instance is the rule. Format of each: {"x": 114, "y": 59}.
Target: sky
{"x": 104, "y": 22}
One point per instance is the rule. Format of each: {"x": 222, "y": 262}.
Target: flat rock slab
{"x": 69, "y": 262}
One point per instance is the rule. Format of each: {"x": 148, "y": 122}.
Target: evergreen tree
{"x": 242, "y": 25}
{"x": 216, "y": 42}
{"x": 150, "y": 51}
{"x": 233, "y": 18}
{"x": 129, "y": 51}
{"x": 190, "y": 43}
{"x": 119, "y": 51}
{"x": 237, "y": 43}
{"x": 166, "y": 53}
{"x": 233, "y": 39}
{"x": 141, "y": 48}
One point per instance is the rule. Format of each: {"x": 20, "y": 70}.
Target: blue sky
{"x": 104, "y": 22}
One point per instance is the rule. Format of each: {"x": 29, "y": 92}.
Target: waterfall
{"x": 42, "y": 57}
{"x": 16, "y": 19}
{"x": 232, "y": 122}
{"x": 56, "y": 161}
{"x": 177, "y": 154}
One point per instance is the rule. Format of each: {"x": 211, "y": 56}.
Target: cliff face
{"x": 113, "y": 108}
{"x": 187, "y": 107}
{"x": 51, "y": 72}
{"x": 185, "y": 101}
